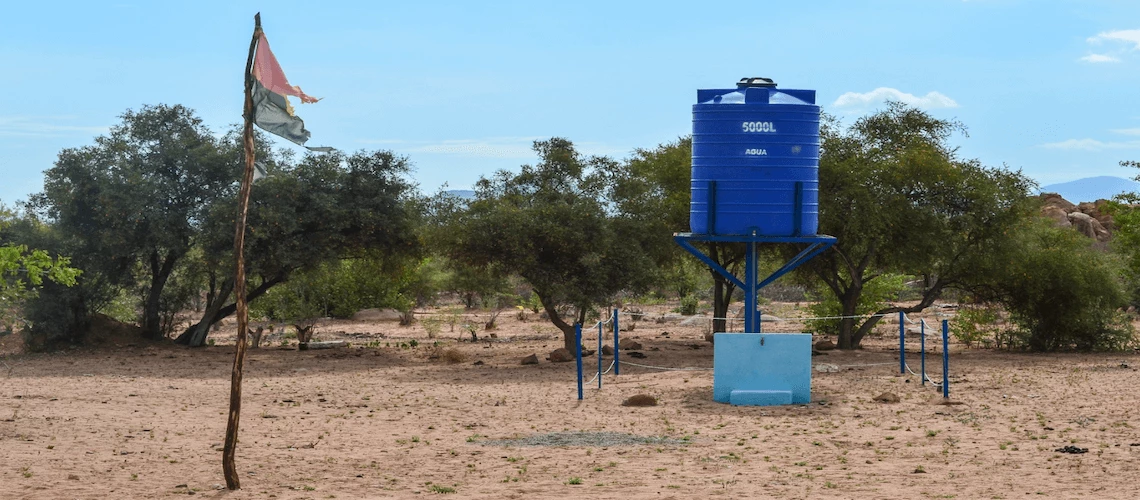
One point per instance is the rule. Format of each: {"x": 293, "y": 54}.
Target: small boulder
{"x": 825, "y": 345}
{"x": 629, "y": 345}
{"x": 640, "y": 400}
{"x": 887, "y": 397}
{"x": 377, "y": 315}
{"x": 530, "y": 360}
{"x": 560, "y": 355}
{"x": 607, "y": 350}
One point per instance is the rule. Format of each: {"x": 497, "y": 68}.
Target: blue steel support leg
{"x": 578, "y": 349}
{"x": 750, "y": 323}
{"x": 902, "y": 343}
{"x": 617, "y": 364}
{"x": 601, "y": 328}
{"x": 945, "y": 358}
{"x": 922, "y": 348}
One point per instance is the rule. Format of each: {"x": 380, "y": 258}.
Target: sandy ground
{"x": 382, "y": 420}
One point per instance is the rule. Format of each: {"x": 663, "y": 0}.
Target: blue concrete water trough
{"x": 762, "y": 369}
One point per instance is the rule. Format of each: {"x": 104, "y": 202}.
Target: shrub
{"x": 689, "y": 305}
{"x": 875, "y": 295}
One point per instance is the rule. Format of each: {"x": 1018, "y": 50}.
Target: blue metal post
{"x": 902, "y": 342}
{"x": 617, "y": 365}
{"x": 600, "y": 330}
{"x": 578, "y": 348}
{"x": 750, "y": 320}
{"x": 922, "y": 348}
{"x": 945, "y": 358}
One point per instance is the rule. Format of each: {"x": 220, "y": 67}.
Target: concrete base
{"x": 762, "y": 369}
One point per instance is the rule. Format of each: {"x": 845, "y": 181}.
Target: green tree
{"x": 551, "y": 224}
{"x": 23, "y": 271}
{"x": 653, "y": 188}
{"x": 1060, "y": 291}
{"x": 133, "y": 203}
{"x": 324, "y": 208}
{"x": 900, "y": 201}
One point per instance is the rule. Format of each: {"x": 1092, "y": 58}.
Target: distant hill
{"x": 1092, "y": 188}
{"x": 465, "y": 194}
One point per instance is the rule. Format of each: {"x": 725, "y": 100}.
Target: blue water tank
{"x": 755, "y": 161}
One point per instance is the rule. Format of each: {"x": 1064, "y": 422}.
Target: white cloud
{"x": 44, "y": 126}
{"x": 1126, "y": 131}
{"x": 1126, "y": 36}
{"x": 1099, "y": 58}
{"x": 931, "y": 100}
{"x": 1091, "y": 145}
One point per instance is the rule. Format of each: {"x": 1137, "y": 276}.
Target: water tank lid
{"x": 755, "y": 81}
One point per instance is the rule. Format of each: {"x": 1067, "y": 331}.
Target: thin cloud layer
{"x": 1119, "y": 41}
{"x": 44, "y": 126}
{"x": 932, "y": 100}
{"x": 1091, "y": 145}
{"x": 1125, "y": 36}
{"x": 1100, "y": 58}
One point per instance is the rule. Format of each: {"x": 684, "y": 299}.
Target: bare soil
{"x": 384, "y": 419}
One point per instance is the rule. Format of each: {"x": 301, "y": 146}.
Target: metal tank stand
{"x": 815, "y": 245}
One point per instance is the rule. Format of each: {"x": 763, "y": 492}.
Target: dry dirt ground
{"x": 381, "y": 419}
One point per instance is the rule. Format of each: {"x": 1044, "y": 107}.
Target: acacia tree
{"x": 324, "y": 208}
{"x": 899, "y": 200}
{"x": 133, "y": 203}
{"x": 552, "y": 224}
{"x": 653, "y": 188}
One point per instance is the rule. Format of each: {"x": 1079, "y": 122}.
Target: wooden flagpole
{"x": 228, "y": 466}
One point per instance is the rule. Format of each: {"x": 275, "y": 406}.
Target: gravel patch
{"x": 591, "y": 439}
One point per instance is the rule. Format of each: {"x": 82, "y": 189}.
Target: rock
{"x": 825, "y": 345}
{"x": 560, "y": 355}
{"x": 826, "y": 368}
{"x": 1088, "y": 226}
{"x": 1055, "y": 200}
{"x": 377, "y": 315}
{"x": 530, "y": 360}
{"x": 769, "y": 318}
{"x": 1060, "y": 218}
{"x": 629, "y": 345}
{"x": 75, "y": 477}
{"x": 480, "y": 362}
{"x": 694, "y": 320}
{"x": 607, "y": 350}
{"x": 887, "y": 397}
{"x": 1071, "y": 449}
{"x": 635, "y": 354}
{"x": 640, "y": 400}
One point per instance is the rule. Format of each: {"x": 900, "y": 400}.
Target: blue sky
{"x": 462, "y": 88}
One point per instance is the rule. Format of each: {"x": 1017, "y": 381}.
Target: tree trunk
{"x": 160, "y": 273}
{"x": 190, "y": 338}
{"x": 849, "y": 304}
{"x": 568, "y": 332}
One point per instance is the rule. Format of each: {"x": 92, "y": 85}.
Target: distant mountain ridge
{"x": 1092, "y": 188}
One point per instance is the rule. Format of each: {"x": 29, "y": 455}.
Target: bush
{"x": 689, "y": 305}
{"x": 1063, "y": 294}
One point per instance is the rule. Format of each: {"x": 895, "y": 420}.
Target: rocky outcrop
{"x": 1087, "y": 218}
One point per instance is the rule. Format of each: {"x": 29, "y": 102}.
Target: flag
{"x": 271, "y": 108}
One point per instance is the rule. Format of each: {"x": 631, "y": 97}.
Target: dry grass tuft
{"x": 449, "y": 355}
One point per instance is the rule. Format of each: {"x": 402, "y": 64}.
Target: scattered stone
{"x": 530, "y": 360}
{"x": 887, "y": 397}
{"x": 825, "y": 345}
{"x": 640, "y": 400}
{"x": 635, "y": 354}
{"x": 560, "y": 355}
{"x": 607, "y": 350}
{"x": 826, "y": 368}
{"x": 75, "y": 477}
{"x": 1071, "y": 449}
{"x": 183, "y": 485}
{"x": 629, "y": 345}
{"x": 480, "y": 362}
{"x": 377, "y": 315}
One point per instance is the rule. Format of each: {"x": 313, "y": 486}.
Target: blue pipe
{"x": 600, "y": 330}
{"x": 578, "y": 348}
{"x": 945, "y": 358}
{"x": 922, "y": 348}
{"x": 617, "y": 364}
